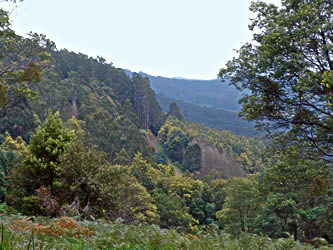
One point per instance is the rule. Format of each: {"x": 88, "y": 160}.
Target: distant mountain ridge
{"x": 205, "y": 93}
{"x": 211, "y": 117}
{"x": 210, "y": 102}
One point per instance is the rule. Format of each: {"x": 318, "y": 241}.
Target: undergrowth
{"x": 19, "y": 232}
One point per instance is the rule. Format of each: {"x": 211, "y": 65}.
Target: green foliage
{"x": 146, "y": 106}
{"x": 87, "y": 185}
{"x": 3, "y": 170}
{"x": 143, "y": 171}
{"x": 129, "y": 112}
{"x": 175, "y": 149}
{"x": 192, "y": 158}
{"x": 174, "y": 140}
{"x": 46, "y": 146}
{"x": 77, "y": 182}
{"x": 289, "y": 76}
{"x": 17, "y": 146}
{"x": 118, "y": 235}
{"x": 230, "y": 149}
{"x": 298, "y": 199}
{"x": 241, "y": 205}
{"x": 174, "y": 111}
{"x": 214, "y": 194}
{"x": 211, "y": 117}
{"x": 121, "y": 196}
{"x": 11, "y": 153}
{"x": 20, "y": 122}
{"x": 20, "y": 62}
{"x": 289, "y": 81}
{"x": 277, "y": 217}
{"x": 39, "y": 167}
{"x": 161, "y": 158}
{"x": 138, "y": 205}
{"x": 113, "y": 135}
{"x": 6, "y": 210}
{"x": 122, "y": 158}
{"x": 100, "y": 165}
{"x": 97, "y": 93}
{"x": 197, "y": 206}
{"x": 173, "y": 212}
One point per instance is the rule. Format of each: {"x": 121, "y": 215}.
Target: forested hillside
{"x": 100, "y": 131}
{"x": 233, "y": 155}
{"x": 211, "y": 117}
{"x": 111, "y": 105}
{"x": 89, "y": 158}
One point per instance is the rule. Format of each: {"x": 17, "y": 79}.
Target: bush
{"x": 66, "y": 233}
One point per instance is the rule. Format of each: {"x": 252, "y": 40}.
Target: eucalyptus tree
{"x": 287, "y": 70}
{"x": 21, "y": 61}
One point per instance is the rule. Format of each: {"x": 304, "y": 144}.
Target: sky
{"x": 171, "y": 38}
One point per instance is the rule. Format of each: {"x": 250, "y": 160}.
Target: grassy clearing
{"x": 159, "y": 148}
{"x": 18, "y": 232}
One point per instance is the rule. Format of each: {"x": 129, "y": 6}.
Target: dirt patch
{"x": 152, "y": 141}
{"x": 179, "y": 174}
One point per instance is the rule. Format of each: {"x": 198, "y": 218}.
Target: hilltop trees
{"x": 288, "y": 71}
{"x": 174, "y": 111}
{"x": 20, "y": 62}
{"x": 146, "y": 106}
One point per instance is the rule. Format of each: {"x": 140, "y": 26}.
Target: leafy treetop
{"x": 288, "y": 69}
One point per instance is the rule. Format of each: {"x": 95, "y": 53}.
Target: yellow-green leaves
{"x": 3, "y": 96}
{"x": 32, "y": 73}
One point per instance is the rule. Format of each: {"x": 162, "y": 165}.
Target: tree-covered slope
{"x": 211, "y": 117}
{"x": 97, "y": 147}
{"x": 113, "y": 107}
{"x": 223, "y": 154}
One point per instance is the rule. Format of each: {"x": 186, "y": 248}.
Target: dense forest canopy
{"x": 83, "y": 140}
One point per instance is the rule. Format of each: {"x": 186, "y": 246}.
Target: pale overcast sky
{"x": 173, "y": 38}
